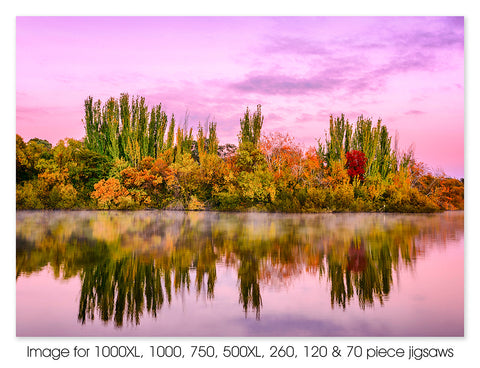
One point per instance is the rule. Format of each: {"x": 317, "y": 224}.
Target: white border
{"x": 13, "y": 348}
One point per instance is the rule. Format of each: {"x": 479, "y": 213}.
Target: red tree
{"x": 356, "y": 162}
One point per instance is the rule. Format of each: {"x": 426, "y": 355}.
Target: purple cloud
{"x": 415, "y": 112}
{"x": 284, "y": 84}
{"x": 296, "y": 45}
{"x": 431, "y": 40}
{"x": 353, "y": 64}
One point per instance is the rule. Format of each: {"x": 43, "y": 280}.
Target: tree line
{"x": 134, "y": 157}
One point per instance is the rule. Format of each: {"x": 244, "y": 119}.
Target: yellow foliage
{"x": 194, "y": 204}
{"x": 338, "y": 174}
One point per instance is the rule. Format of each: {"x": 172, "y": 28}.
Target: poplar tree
{"x": 110, "y": 128}
{"x": 142, "y": 129}
{"x": 187, "y": 144}
{"x": 92, "y": 123}
{"x": 366, "y": 139}
{"x": 162, "y": 121}
{"x": 386, "y": 157}
{"x": 134, "y": 154}
{"x": 171, "y": 133}
{"x": 373, "y": 140}
{"x": 91, "y": 138}
{"x": 152, "y": 134}
{"x": 179, "y": 146}
{"x": 340, "y": 140}
{"x": 212, "y": 138}
{"x": 125, "y": 133}
{"x": 251, "y": 126}
{"x": 201, "y": 142}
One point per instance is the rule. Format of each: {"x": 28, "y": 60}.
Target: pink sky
{"x": 408, "y": 71}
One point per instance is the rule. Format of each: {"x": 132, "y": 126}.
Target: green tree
{"x": 339, "y": 142}
{"x": 251, "y": 126}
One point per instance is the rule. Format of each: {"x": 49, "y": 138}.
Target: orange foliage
{"x": 312, "y": 166}
{"x": 283, "y": 156}
{"x": 133, "y": 178}
{"x": 56, "y": 177}
{"x": 447, "y": 193}
{"x": 337, "y": 174}
{"x": 163, "y": 171}
{"x": 110, "y": 194}
{"x": 416, "y": 171}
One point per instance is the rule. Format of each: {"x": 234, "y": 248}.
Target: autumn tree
{"x": 356, "y": 162}
{"x": 110, "y": 194}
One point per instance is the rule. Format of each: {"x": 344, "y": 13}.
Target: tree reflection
{"x": 248, "y": 272}
{"x": 121, "y": 290}
{"x": 130, "y": 263}
{"x": 369, "y": 274}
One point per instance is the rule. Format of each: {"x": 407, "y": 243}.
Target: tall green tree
{"x": 171, "y": 133}
{"x": 373, "y": 140}
{"x": 162, "y": 121}
{"x": 126, "y": 130}
{"x": 111, "y": 128}
{"x": 94, "y": 139}
{"x": 251, "y": 126}
{"x": 338, "y": 142}
{"x": 212, "y": 138}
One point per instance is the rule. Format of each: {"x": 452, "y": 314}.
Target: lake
{"x": 170, "y": 273}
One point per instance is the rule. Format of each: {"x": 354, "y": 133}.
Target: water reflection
{"x": 130, "y": 263}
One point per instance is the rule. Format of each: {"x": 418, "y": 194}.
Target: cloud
{"x": 350, "y": 75}
{"x": 27, "y": 110}
{"x": 454, "y": 23}
{"x": 342, "y": 76}
{"x": 285, "y": 84}
{"x": 413, "y": 33}
{"x": 29, "y": 114}
{"x": 274, "y": 116}
{"x": 296, "y": 45}
{"x": 445, "y": 39}
{"x": 412, "y": 61}
{"x": 356, "y": 63}
{"x": 415, "y": 112}
{"x": 305, "y": 116}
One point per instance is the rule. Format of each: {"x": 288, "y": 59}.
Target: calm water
{"x": 157, "y": 273}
